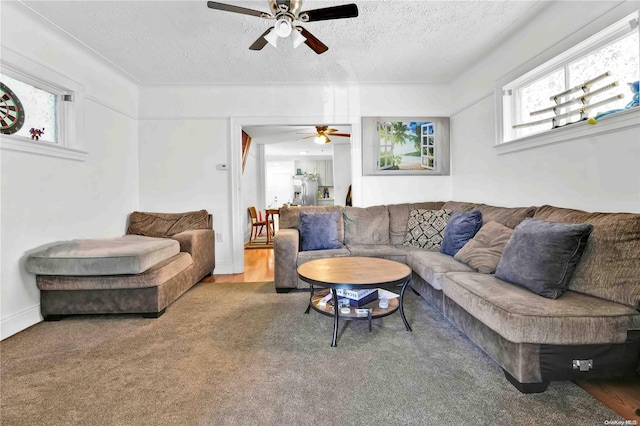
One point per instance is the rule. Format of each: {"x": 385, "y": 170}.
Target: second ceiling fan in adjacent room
{"x": 323, "y": 132}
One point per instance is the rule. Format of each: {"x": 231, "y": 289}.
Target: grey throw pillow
{"x": 425, "y": 228}
{"x": 484, "y": 250}
{"x": 542, "y": 256}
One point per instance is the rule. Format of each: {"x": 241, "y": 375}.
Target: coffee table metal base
{"x": 373, "y": 312}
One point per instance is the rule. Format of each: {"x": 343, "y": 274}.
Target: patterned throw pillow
{"x": 425, "y": 228}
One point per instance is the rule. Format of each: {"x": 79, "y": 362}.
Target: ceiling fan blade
{"x": 311, "y": 41}
{"x": 335, "y": 12}
{"x": 344, "y": 135}
{"x": 261, "y": 41}
{"x": 237, "y": 9}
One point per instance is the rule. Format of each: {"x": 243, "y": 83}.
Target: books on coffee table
{"x": 358, "y": 298}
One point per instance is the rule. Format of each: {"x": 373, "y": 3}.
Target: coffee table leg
{"x": 404, "y": 319}
{"x": 310, "y": 299}
{"x": 336, "y": 315}
{"x": 369, "y": 315}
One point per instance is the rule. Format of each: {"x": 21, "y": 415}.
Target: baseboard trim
{"x": 223, "y": 268}
{"x": 20, "y": 321}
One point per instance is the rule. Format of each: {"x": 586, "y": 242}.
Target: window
{"x": 588, "y": 78}
{"x": 41, "y": 111}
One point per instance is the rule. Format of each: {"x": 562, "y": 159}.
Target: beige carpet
{"x": 241, "y": 354}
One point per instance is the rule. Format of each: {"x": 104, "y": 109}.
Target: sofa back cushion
{"x": 459, "y": 206}
{"x": 368, "y": 225}
{"x": 399, "y": 216}
{"x": 507, "y": 216}
{"x": 289, "y": 216}
{"x": 167, "y": 224}
{"x": 610, "y": 264}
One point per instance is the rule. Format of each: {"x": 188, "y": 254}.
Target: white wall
{"x": 341, "y": 172}
{"x": 251, "y": 178}
{"x": 47, "y": 199}
{"x": 211, "y": 108}
{"x": 595, "y": 173}
{"x": 179, "y": 161}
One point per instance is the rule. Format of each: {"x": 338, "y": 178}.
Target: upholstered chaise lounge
{"x": 160, "y": 258}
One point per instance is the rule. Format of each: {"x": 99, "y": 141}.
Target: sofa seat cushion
{"x": 384, "y": 251}
{"x": 129, "y": 254}
{"x": 521, "y": 316}
{"x": 432, "y": 265}
{"x": 157, "y": 275}
{"x": 305, "y": 256}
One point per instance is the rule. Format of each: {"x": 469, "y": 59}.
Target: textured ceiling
{"x": 184, "y": 42}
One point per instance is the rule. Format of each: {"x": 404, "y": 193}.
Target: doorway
{"x": 284, "y": 142}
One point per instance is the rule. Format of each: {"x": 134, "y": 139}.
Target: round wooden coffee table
{"x": 354, "y": 273}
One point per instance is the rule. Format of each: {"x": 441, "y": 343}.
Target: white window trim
{"x": 607, "y": 124}
{"x": 71, "y": 141}
{"x": 611, "y": 123}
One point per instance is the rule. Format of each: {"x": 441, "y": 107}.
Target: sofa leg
{"x": 52, "y": 317}
{"x": 283, "y": 290}
{"x": 526, "y": 387}
{"x": 153, "y": 314}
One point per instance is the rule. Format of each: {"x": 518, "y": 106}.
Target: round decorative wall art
{"x": 11, "y": 111}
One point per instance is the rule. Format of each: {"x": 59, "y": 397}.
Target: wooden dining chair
{"x": 257, "y": 225}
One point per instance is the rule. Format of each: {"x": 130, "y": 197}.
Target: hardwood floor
{"x": 622, "y": 396}
{"x": 258, "y": 267}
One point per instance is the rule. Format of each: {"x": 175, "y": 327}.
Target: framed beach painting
{"x": 405, "y": 146}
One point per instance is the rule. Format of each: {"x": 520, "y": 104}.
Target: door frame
{"x": 235, "y": 128}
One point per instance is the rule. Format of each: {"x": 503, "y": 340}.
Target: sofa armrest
{"x": 201, "y": 245}
{"x": 286, "y": 245}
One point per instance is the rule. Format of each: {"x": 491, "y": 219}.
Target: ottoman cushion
{"x": 129, "y": 254}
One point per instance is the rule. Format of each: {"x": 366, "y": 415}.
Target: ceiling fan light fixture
{"x": 321, "y": 139}
{"x": 297, "y": 38}
{"x": 272, "y": 38}
{"x": 283, "y": 27}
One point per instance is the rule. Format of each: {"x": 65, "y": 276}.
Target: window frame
{"x": 591, "y": 38}
{"x": 70, "y": 112}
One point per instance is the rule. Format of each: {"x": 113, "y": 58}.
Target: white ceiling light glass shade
{"x": 283, "y": 28}
{"x": 321, "y": 139}
{"x": 272, "y": 38}
{"x": 298, "y": 38}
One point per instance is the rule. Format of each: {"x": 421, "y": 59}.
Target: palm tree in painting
{"x": 401, "y": 133}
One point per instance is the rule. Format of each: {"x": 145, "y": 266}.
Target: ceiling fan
{"x": 285, "y": 13}
{"x": 322, "y": 134}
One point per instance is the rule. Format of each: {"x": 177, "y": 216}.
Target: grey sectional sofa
{"x": 162, "y": 256}
{"x": 592, "y": 330}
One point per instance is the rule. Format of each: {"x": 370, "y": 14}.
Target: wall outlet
{"x": 219, "y": 237}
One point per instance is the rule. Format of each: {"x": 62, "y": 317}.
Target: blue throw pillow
{"x": 461, "y": 228}
{"x": 319, "y": 231}
{"x": 541, "y": 256}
